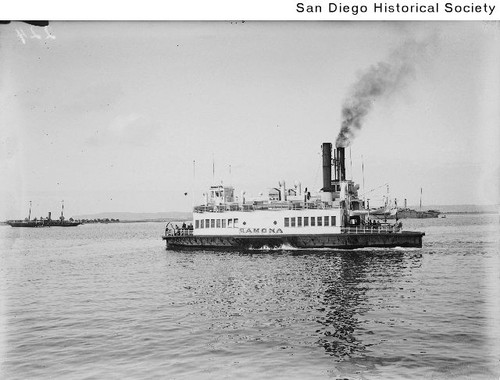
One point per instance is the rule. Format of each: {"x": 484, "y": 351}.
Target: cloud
{"x": 69, "y": 98}
{"x": 130, "y": 129}
{"x": 93, "y": 97}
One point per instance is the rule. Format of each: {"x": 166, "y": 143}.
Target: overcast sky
{"x": 110, "y": 116}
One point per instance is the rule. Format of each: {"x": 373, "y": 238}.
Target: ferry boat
{"x": 335, "y": 217}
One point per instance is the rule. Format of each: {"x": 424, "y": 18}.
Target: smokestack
{"x": 327, "y": 166}
{"x": 341, "y": 163}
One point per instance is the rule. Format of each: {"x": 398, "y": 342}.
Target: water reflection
{"x": 349, "y": 279}
{"x": 290, "y": 299}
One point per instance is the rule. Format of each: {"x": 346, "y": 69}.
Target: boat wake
{"x": 288, "y": 247}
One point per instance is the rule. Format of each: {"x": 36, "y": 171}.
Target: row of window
{"x": 298, "y": 221}
{"x": 216, "y": 223}
{"x": 311, "y": 221}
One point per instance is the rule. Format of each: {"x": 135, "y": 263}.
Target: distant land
{"x": 139, "y": 216}
{"x": 459, "y": 209}
{"x": 181, "y": 216}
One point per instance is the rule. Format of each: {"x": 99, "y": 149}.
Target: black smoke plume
{"x": 377, "y": 82}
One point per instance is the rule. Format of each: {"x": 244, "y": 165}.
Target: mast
{"x": 363, "y": 173}
{"x": 193, "y": 187}
{"x": 387, "y": 197}
{"x": 62, "y": 210}
{"x": 213, "y": 168}
{"x": 420, "y": 199}
{"x": 350, "y": 159}
{"x": 29, "y": 213}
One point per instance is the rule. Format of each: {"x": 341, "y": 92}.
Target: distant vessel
{"x": 386, "y": 212}
{"x": 44, "y": 222}
{"x": 335, "y": 217}
{"x": 406, "y": 213}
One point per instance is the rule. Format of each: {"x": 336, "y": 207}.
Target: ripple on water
{"x": 111, "y": 302}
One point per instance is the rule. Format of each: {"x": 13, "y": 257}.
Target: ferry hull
{"x": 338, "y": 241}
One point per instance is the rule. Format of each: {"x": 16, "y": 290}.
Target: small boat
{"x": 334, "y": 217}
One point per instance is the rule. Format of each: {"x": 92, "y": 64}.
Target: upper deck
{"x": 258, "y": 206}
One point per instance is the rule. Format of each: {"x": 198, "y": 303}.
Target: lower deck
{"x": 338, "y": 241}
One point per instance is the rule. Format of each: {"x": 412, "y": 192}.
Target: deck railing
{"x": 178, "y": 232}
{"x": 345, "y": 230}
{"x": 268, "y": 206}
{"x": 371, "y": 229}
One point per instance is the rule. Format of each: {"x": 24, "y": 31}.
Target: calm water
{"x": 108, "y": 301}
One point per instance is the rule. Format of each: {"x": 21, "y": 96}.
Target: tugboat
{"x": 335, "y": 217}
{"x": 44, "y": 222}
